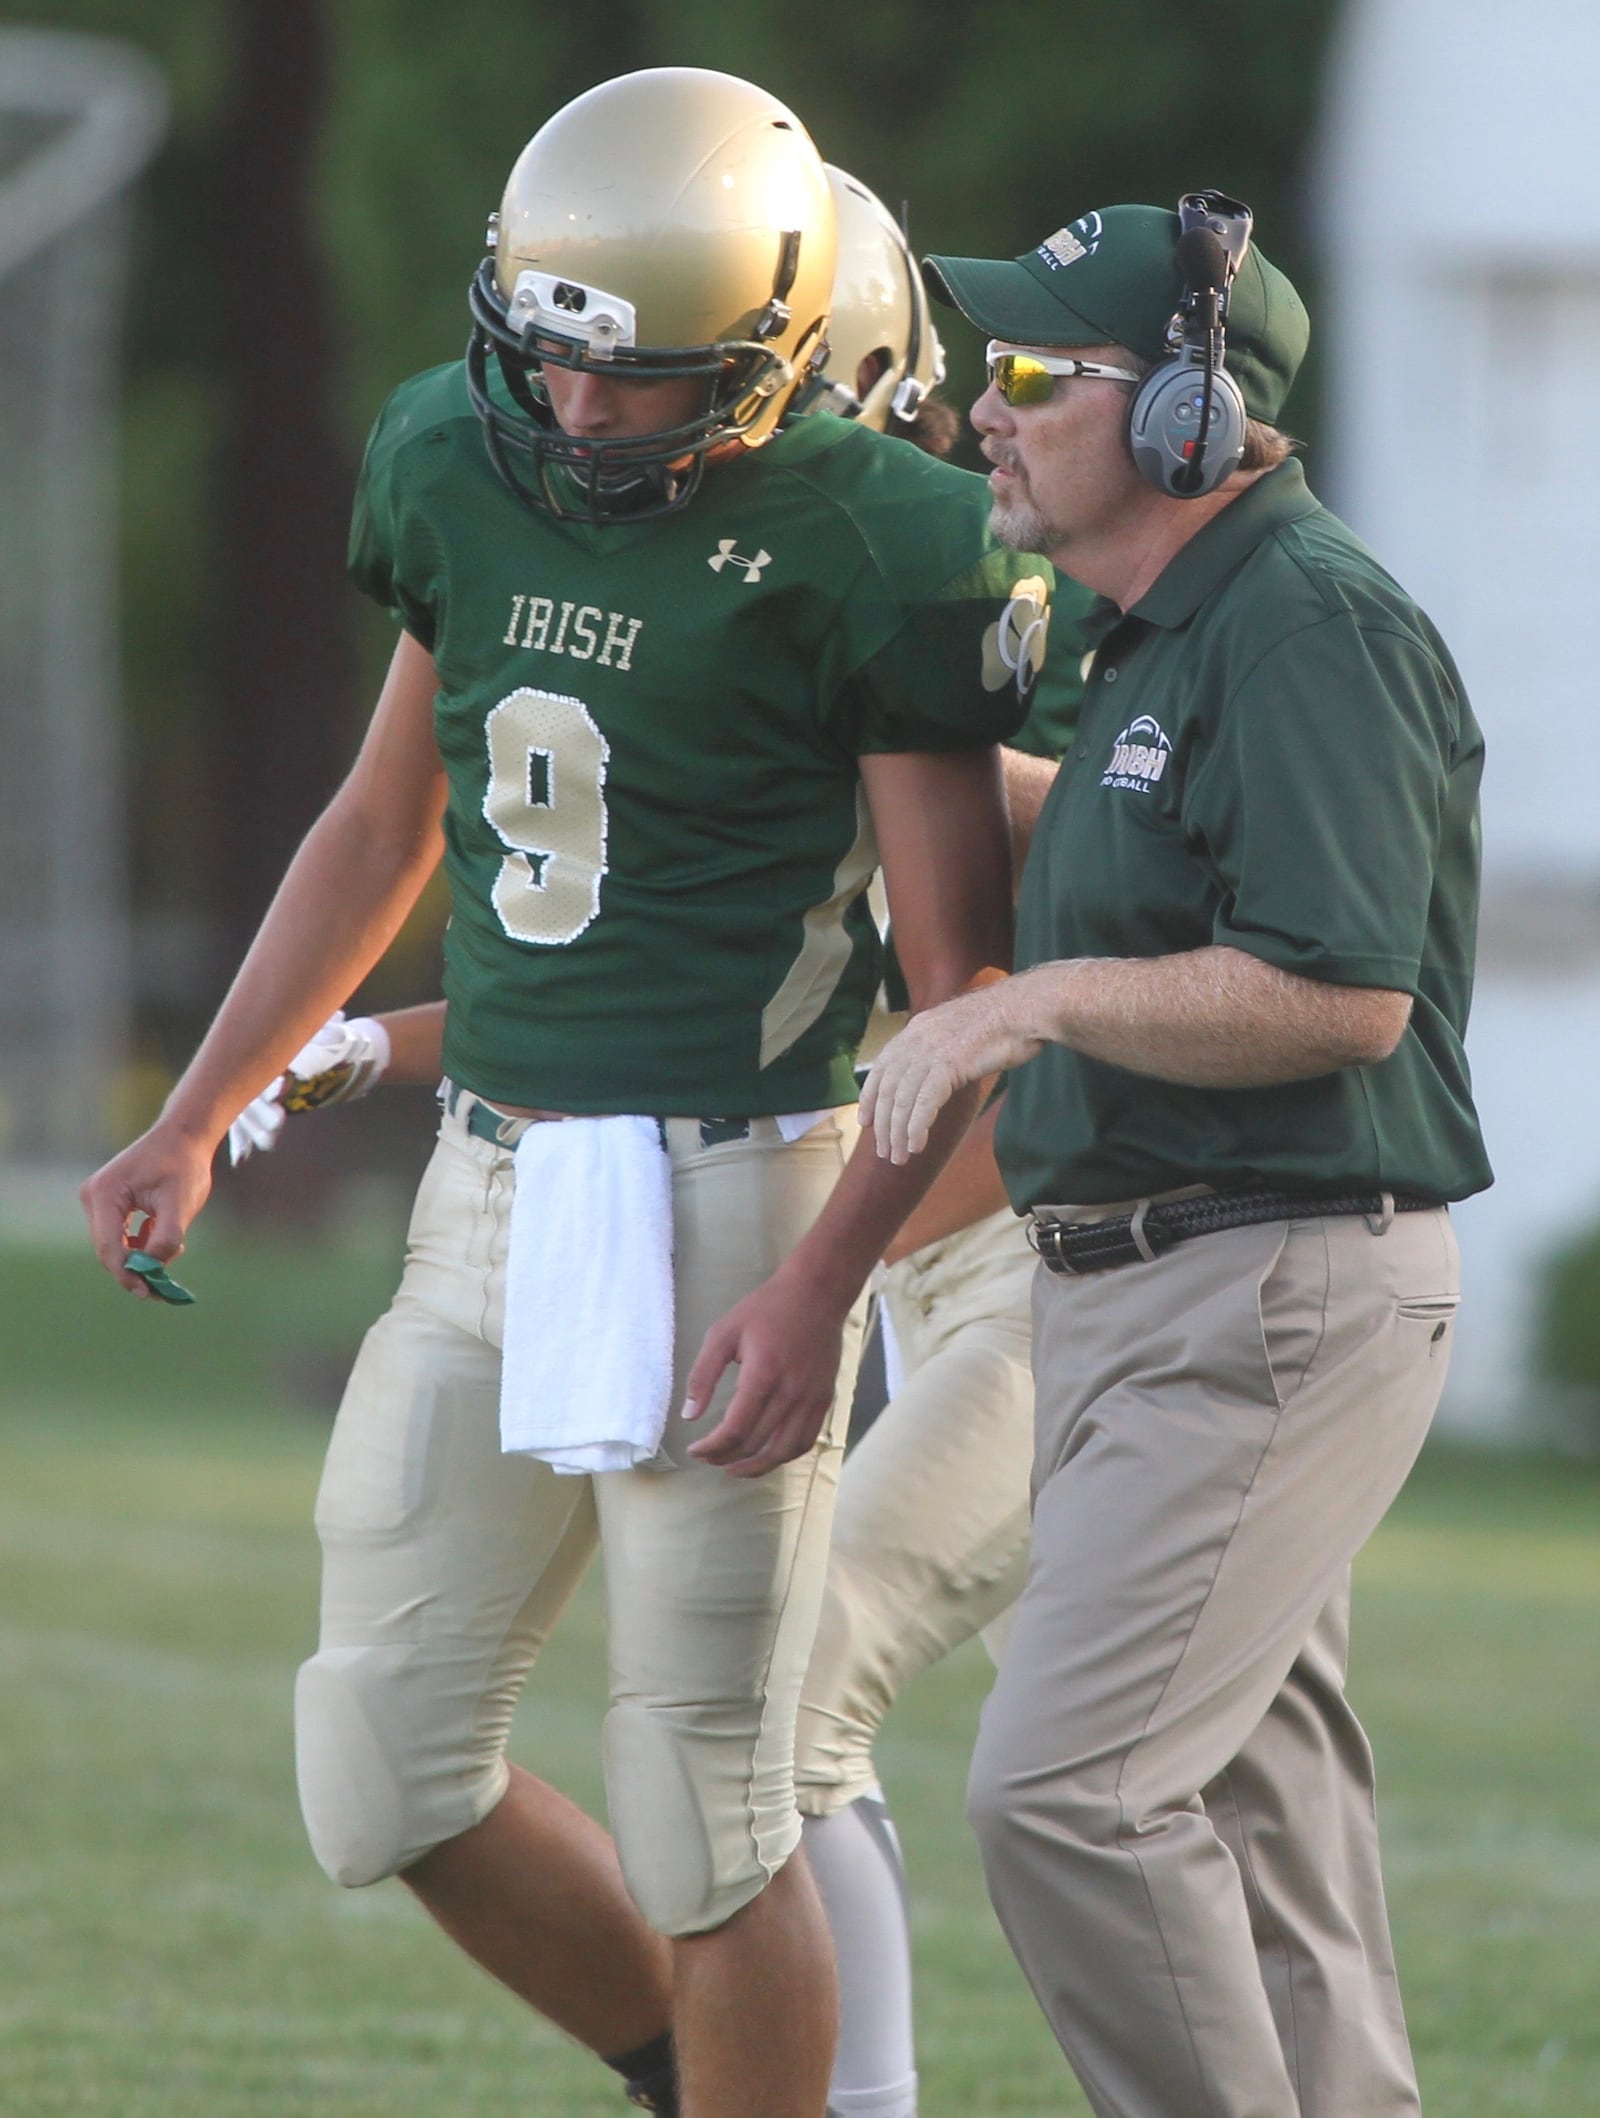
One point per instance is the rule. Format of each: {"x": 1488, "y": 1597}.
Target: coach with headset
{"x": 1238, "y": 1110}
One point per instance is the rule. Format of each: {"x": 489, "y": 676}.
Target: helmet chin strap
{"x": 663, "y": 481}
{"x": 644, "y": 485}
{"x": 632, "y": 488}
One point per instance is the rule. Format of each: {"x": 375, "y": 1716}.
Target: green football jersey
{"x": 1053, "y": 705}
{"x": 1057, "y": 699}
{"x": 656, "y": 838}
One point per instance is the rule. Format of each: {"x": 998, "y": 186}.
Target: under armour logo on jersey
{"x": 725, "y": 555}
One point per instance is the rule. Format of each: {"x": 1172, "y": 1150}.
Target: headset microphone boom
{"x": 1187, "y": 423}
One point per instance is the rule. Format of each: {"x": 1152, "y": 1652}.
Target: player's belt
{"x": 500, "y": 1129}
{"x": 1154, "y": 1226}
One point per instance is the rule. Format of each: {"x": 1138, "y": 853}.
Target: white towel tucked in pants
{"x": 586, "y": 1373}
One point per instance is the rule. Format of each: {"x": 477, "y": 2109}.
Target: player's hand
{"x": 788, "y": 1359}
{"x": 257, "y": 1125}
{"x": 343, "y": 1061}
{"x": 940, "y": 1051}
{"x": 145, "y": 1198}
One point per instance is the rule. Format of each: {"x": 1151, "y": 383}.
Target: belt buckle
{"x": 723, "y": 1132}
{"x": 1044, "y": 1239}
{"x": 483, "y": 1122}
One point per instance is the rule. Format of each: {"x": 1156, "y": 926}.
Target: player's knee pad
{"x": 699, "y": 1830}
{"x": 382, "y": 1782}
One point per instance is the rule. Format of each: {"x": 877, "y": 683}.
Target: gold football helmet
{"x": 880, "y": 310}
{"x": 670, "y": 223}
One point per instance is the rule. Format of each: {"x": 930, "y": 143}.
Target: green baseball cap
{"x": 1109, "y": 279}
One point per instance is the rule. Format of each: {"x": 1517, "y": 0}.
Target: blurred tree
{"x": 279, "y": 615}
{"x": 423, "y": 129}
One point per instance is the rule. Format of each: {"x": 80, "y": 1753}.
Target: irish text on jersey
{"x": 582, "y": 631}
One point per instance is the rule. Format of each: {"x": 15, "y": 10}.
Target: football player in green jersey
{"x": 931, "y": 1528}
{"x": 668, "y": 682}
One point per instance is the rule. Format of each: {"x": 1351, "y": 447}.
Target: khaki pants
{"x": 1173, "y": 1799}
{"x": 931, "y": 1532}
{"x": 446, "y": 1564}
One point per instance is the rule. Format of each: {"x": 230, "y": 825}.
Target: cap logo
{"x": 1067, "y": 245}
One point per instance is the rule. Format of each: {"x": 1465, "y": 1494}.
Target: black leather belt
{"x": 1143, "y": 1234}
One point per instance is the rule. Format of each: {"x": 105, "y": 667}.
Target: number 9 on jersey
{"x": 546, "y": 802}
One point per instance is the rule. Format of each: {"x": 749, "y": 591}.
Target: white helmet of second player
{"x": 880, "y": 309}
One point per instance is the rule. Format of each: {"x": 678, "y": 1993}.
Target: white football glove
{"x": 343, "y": 1061}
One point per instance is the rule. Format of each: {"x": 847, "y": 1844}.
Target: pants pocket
{"x": 1434, "y": 1313}
{"x": 1428, "y": 1308}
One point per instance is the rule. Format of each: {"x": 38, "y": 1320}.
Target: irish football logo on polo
{"x": 1139, "y": 756}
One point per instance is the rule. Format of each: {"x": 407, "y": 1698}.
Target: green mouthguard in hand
{"x": 155, "y": 1276}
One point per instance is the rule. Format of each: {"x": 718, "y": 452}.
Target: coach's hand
{"x": 787, "y": 1346}
{"x": 145, "y": 1198}
{"x": 940, "y": 1051}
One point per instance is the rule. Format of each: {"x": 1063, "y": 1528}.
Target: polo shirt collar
{"x": 1207, "y": 559}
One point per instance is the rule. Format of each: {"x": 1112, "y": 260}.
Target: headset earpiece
{"x": 1168, "y": 419}
{"x": 1186, "y": 426}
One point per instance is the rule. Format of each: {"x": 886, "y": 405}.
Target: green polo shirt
{"x": 1274, "y": 754}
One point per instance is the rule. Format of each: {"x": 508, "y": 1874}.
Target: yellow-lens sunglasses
{"x": 1029, "y": 378}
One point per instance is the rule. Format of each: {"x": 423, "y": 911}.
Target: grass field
{"x": 169, "y": 1950}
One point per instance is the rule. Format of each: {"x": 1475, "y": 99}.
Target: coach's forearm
{"x": 1209, "y": 1018}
